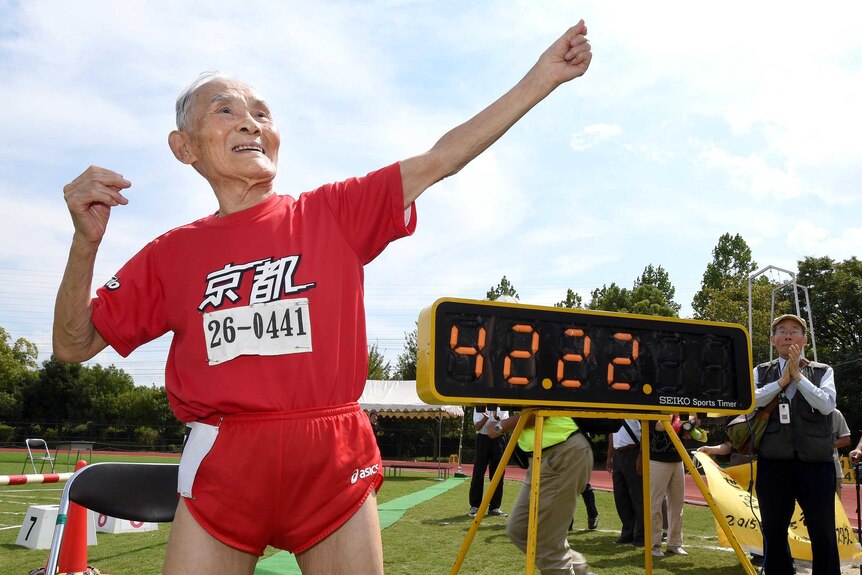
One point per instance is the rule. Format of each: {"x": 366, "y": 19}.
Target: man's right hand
{"x": 856, "y": 456}
{"x": 90, "y": 198}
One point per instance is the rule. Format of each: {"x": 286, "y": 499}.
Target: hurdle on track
{"x": 34, "y": 478}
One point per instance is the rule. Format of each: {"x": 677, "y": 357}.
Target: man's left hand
{"x": 793, "y": 362}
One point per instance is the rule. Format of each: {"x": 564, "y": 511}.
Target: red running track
{"x": 601, "y": 480}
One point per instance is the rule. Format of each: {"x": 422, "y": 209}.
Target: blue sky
{"x": 694, "y": 120}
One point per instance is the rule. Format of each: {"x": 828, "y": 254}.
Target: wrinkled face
{"x": 231, "y": 133}
{"x": 787, "y": 333}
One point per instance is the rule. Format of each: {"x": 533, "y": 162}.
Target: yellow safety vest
{"x": 555, "y": 430}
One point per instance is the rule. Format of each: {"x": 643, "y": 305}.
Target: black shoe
{"x": 593, "y": 523}
{"x": 638, "y": 543}
{"x": 622, "y": 541}
{"x": 756, "y": 559}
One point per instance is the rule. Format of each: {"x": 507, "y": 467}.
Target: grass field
{"x": 425, "y": 541}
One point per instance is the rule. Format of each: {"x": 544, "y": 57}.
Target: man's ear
{"x": 178, "y": 141}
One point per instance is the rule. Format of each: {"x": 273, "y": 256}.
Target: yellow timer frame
{"x": 474, "y": 352}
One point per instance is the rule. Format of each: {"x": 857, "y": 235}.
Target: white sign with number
{"x": 37, "y": 530}
{"x": 272, "y": 328}
{"x": 108, "y": 524}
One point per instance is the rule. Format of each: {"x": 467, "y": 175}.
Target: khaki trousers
{"x": 667, "y": 479}
{"x": 565, "y": 472}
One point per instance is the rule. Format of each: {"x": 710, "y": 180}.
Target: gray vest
{"x": 809, "y": 434}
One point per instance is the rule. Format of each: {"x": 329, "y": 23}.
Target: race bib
{"x": 274, "y": 328}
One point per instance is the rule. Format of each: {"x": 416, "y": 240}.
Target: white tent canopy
{"x": 399, "y": 399}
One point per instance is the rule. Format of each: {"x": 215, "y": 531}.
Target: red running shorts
{"x": 282, "y": 479}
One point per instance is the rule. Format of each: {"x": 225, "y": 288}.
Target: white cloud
{"x": 809, "y": 238}
{"x": 754, "y": 175}
{"x": 593, "y": 135}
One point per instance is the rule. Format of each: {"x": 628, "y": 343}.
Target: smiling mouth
{"x": 248, "y": 149}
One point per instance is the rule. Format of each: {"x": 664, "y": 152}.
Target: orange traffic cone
{"x": 73, "y": 552}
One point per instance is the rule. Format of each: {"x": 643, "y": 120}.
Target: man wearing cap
{"x": 795, "y": 461}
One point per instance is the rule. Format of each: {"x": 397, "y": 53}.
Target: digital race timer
{"x": 483, "y": 352}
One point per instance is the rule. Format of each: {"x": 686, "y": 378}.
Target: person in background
{"x": 373, "y": 419}
{"x": 589, "y": 498}
{"x": 842, "y": 439}
{"x": 624, "y": 465}
{"x": 489, "y": 452}
{"x": 567, "y": 461}
{"x": 726, "y": 448}
{"x": 856, "y": 453}
{"x": 667, "y": 481}
{"x": 795, "y": 457}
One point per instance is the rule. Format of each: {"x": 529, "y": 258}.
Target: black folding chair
{"x": 131, "y": 491}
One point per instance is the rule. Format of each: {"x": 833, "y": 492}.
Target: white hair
{"x": 186, "y": 97}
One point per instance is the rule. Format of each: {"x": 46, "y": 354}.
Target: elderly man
{"x": 264, "y": 299}
{"x": 795, "y": 461}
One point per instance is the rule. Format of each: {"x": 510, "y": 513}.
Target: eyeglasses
{"x": 791, "y": 332}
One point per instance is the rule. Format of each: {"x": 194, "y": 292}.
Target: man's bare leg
{"x": 354, "y": 549}
{"x": 193, "y": 550}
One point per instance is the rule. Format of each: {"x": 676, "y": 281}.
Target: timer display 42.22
{"x": 480, "y": 352}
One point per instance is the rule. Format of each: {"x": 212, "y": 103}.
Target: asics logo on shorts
{"x": 363, "y": 473}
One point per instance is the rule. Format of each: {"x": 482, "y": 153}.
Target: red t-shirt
{"x": 266, "y": 305}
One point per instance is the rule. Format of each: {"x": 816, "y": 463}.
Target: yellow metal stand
{"x": 540, "y": 415}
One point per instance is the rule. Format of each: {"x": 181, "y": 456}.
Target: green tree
{"x": 658, "y": 278}
{"x": 731, "y": 264}
{"x": 405, "y": 364}
{"x": 70, "y": 397}
{"x": 835, "y": 291}
{"x": 378, "y": 367}
{"x": 505, "y": 287}
{"x": 17, "y": 370}
{"x": 610, "y": 298}
{"x": 572, "y": 301}
{"x": 730, "y": 305}
{"x": 651, "y": 295}
{"x": 724, "y": 293}
{"x": 54, "y": 395}
{"x": 101, "y": 389}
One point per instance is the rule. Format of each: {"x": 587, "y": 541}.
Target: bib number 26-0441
{"x": 273, "y": 328}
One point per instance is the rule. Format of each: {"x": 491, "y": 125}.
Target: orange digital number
{"x": 469, "y": 350}
{"x": 625, "y": 360}
{"x": 573, "y": 357}
{"x": 521, "y": 354}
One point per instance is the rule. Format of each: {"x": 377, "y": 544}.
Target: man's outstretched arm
{"x": 566, "y": 59}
